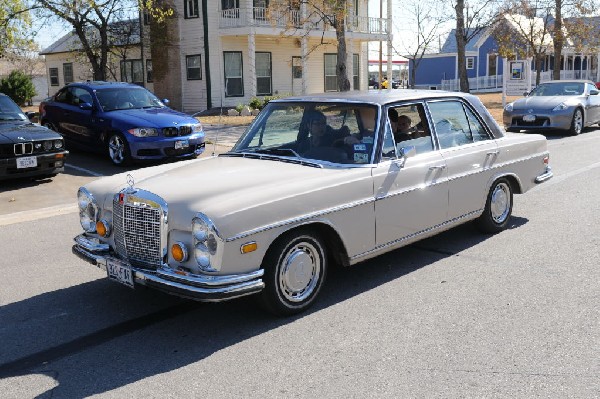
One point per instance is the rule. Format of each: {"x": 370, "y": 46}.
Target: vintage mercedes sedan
{"x": 333, "y": 178}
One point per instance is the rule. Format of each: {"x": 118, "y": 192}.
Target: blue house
{"x": 440, "y": 70}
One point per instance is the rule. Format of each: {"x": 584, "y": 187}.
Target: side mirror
{"x": 525, "y": 93}
{"x": 32, "y": 116}
{"x": 165, "y": 101}
{"x": 404, "y": 152}
{"x": 85, "y": 106}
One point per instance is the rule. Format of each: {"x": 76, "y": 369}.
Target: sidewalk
{"x": 220, "y": 138}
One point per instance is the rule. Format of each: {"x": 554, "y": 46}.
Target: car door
{"x": 77, "y": 122}
{"x": 410, "y": 198}
{"x": 469, "y": 151}
{"x": 593, "y": 111}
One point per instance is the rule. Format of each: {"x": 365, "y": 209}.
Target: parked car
{"x": 124, "y": 120}
{"x": 313, "y": 181}
{"x": 567, "y": 105}
{"x": 598, "y": 85}
{"x": 27, "y": 149}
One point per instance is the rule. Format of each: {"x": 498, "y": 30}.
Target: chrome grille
{"x": 137, "y": 233}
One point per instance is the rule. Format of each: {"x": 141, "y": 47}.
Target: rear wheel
{"x": 118, "y": 150}
{"x": 576, "y": 123}
{"x": 295, "y": 270}
{"x": 498, "y": 207}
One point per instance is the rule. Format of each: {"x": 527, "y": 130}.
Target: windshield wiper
{"x": 278, "y": 151}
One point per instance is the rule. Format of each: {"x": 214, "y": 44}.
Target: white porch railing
{"x": 267, "y": 17}
{"x": 484, "y": 83}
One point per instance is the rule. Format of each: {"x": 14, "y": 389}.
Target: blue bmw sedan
{"x": 124, "y": 120}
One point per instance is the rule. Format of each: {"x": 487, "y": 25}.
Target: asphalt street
{"x": 459, "y": 315}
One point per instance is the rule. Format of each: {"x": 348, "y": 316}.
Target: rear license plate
{"x": 180, "y": 144}
{"x": 26, "y": 162}
{"x": 119, "y": 272}
{"x": 529, "y": 118}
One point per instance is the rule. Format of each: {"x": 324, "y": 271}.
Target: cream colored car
{"x": 313, "y": 181}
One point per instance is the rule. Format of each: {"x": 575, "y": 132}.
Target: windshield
{"x": 337, "y": 133}
{"x": 559, "y": 89}
{"x": 9, "y": 111}
{"x": 127, "y": 98}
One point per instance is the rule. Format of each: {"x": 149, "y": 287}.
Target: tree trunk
{"x": 558, "y": 40}
{"x": 341, "y": 67}
{"x": 461, "y": 46}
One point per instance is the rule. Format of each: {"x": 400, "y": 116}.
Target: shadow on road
{"x": 146, "y": 333}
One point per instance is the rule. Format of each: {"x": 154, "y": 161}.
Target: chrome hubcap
{"x": 500, "y": 203}
{"x": 299, "y": 273}
{"x": 116, "y": 149}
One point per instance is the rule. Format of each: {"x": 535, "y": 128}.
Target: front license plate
{"x": 119, "y": 272}
{"x": 26, "y": 162}
{"x": 529, "y": 118}
{"x": 181, "y": 144}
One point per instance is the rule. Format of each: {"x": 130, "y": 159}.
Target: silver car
{"x": 314, "y": 181}
{"x": 567, "y": 105}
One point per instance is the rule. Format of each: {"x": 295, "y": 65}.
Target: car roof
{"x": 568, "y": 81}
{"x": 375, "y": 96}
{"x": 98, "y": 84}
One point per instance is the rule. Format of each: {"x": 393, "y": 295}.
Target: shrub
{"x": 239, "y": 107}
{"x": 18, "y": 86}
{"x": 256, "y": 103}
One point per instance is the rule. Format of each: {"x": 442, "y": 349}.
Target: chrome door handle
{"x": 441, "y": 167}
{"x": 493, "y": 152}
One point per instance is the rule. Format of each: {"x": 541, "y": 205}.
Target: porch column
{"x": 350, "y": 62}
{"x": 390, "y": 72}
{"x": 304, "y": 48}
{"x": 251, "y": 80}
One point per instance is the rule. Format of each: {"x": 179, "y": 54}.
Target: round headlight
{"x": 58, "y": 143}
{"x": 88, "y": 210}
{"x": 47, "y": 145}
{"x": 509, "y": 107}
{"x": 200, "y": 229}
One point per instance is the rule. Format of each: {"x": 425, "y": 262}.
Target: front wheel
{"x": 118, "y": 150}
{"x": 295, "y": 270}
{"x": 498, "y": 207}
{"x": 50, "y": 126}
{"x": 576, "y": 123}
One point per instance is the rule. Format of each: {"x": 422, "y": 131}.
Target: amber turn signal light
{"x": 179, "y": 252}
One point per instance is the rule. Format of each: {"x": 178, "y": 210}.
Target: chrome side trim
{"x": 547, "y": 175}
{"x": 300, "y": 219}
{"x": 445, "y": 225}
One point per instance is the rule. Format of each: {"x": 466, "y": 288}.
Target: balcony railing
{"x": 289, "y": 19}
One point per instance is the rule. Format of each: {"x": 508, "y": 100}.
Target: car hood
{"x": 18, "y": 132}
{"x": 151, "y": 117}
{"x": 541, "y": 102}
{"x": 232, "y": 191}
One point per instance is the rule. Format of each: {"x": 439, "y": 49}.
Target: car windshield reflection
{"x": 115, "y": 99}
{"x": 336, "y": 133}
{"x": 558, "y": 89}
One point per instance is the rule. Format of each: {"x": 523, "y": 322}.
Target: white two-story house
{"x": 224, "y": 52}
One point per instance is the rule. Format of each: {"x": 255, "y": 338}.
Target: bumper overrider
{"x": 547, "y": 175}
{"x": 191, "y": 286}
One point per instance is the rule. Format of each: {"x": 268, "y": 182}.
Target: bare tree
{"x": 470, "y": 22}
{"x": 525, "y": 31}
{"x": 427, "y": 21}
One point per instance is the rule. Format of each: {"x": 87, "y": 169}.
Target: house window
{"x": 355, "y": 69}
{"x": 229, "y": 4}
{"x": 149, "y": 77}
{"x": 234, "y": 76}
{"x": 470, "y": 62}
{"x": 492, "y": 64}
{"x": 191, "y": 8}
{"x": 296, "y": 67}
{"x": 68, "y": 73}
{"x": 193, "y": 67}
{"x": 132, "y": 71}
{"x": 53, "y": 73}
{"x": 330, "y": 74}
{"x": 263, "y": 74}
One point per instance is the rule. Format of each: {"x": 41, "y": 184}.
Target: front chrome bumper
{"x": 192, "y": 286}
